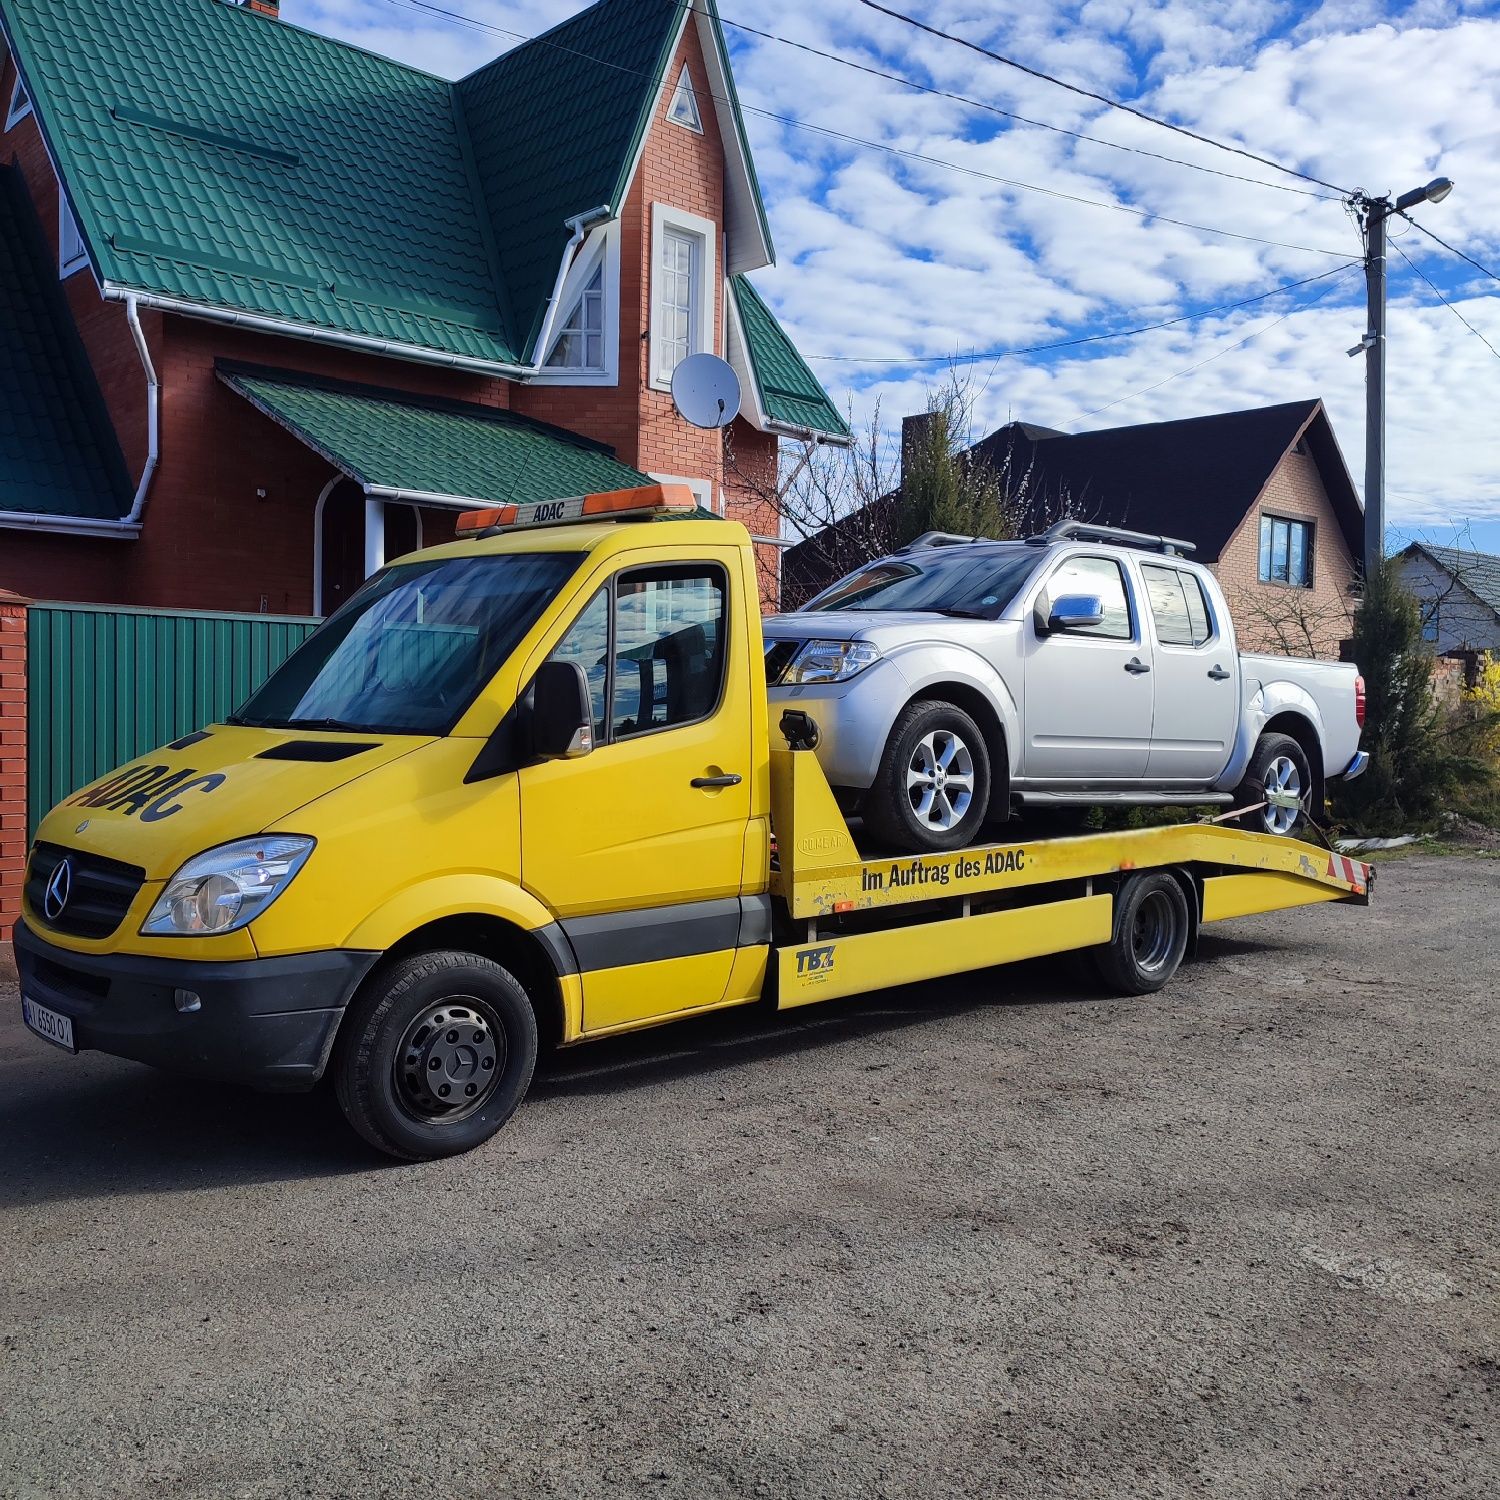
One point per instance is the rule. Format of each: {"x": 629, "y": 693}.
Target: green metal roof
{"x": 789, "y": 391}
{"x": 390, "y": 440}
{"x": 58, "y": 452}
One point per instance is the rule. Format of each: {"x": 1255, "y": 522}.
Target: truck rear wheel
{"x": 434, "y": 1055}
{"x": 932, "y": 791}
{"x": 1151, "y": 935}
{"x": 1279, "y": 770}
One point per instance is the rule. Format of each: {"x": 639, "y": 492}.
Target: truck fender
{"x": 1263, "y": 702}
{"x": 936, "y": 663}
{"x": 453, "y": 895}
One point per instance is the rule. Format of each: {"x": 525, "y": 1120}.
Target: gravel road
{"x": 986, "y": 1238}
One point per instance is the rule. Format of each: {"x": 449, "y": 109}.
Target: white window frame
{"x": 601, "y": 247}
{"x": 702, "y": 332}
{"x": 685, "y": 89}
{"x": 66, "y": 220}
{"x": 703, "y": 490}
{"x": 14, "y": 115}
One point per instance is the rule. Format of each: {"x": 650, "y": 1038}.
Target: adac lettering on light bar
{"x": 613, "y": 505}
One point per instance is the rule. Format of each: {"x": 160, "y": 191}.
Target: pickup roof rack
{"x": 1087, "y": 531}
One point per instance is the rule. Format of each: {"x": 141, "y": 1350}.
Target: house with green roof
{"x": 274, "y": 309}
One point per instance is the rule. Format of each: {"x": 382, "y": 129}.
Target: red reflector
{"x": 1359, "y": 701}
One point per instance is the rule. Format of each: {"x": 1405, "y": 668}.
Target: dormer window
{"x": 20, "y": 104}
{"x": 683, "y": 110}
{"x": 580, "y": 341}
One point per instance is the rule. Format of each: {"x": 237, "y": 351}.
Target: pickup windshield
{"x": 956, "y": 580}
{"x": 413, "y": 648}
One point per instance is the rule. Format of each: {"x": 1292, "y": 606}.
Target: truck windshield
{"x": 413, "y": 648}
{"x": 954, "y": 580}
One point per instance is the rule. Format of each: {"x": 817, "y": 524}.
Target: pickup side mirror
{"x": 562, "y": 713}
{"x": 1070, "y": 612}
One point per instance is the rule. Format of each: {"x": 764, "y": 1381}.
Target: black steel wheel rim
{"x": 1153, "y": 931}
{"x": 450, "y": 1060}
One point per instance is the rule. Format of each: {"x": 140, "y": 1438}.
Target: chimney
{"x": 916, "y": 433}
{"x": 270, "y": 8}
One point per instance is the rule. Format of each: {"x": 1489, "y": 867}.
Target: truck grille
{"x": 99, "y": 893}
{"x": 779, "y": 656}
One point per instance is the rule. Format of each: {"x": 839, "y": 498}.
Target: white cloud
{"x": 882, "y": 255}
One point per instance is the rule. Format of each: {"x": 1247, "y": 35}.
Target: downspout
{"x": 129, "y": 526}
{"x": 578, "y": 224}
{"x": 153, "y": 413}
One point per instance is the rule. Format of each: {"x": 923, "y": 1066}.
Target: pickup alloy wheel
{"x": 933, "y": 787}
{"x": 1280, "y": 777}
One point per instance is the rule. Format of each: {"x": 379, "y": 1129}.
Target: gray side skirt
{"x": 649, "y": 934}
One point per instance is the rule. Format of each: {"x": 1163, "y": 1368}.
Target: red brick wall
{"x": 12, "y": 755}
{"x": 686, "y": 170}
{"x": 1278, "y": 617}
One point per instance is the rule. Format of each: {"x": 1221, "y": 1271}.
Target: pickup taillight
{"x": 1359, "y": 701}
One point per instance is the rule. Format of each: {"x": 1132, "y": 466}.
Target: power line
{"x": 889, "y": 150}
{"x": 1092, "y": 338}
{"x": 1451, "y": 249}
{"x": 1218, "y": 354}
{"x": 1128, "y": 109}
{"x": 994, "y": 109}
{"x": 1446, "y": 303}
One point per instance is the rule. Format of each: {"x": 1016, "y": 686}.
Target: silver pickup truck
{"x": 960, "y": 679}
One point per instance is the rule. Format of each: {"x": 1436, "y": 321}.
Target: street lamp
{"x": 1374, "y": 213}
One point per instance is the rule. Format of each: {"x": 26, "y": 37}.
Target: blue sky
{"x": 897, "y": 265}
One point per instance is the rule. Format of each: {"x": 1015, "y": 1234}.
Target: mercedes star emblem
{"x": 59, "y": 888}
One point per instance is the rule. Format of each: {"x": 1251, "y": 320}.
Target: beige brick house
{"x": 1264, "y": 495}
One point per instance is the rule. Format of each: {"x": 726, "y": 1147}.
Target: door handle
{"x": 705, "y": 782}
{"x": 1218, "y": 673}
{"x": 1135, "y": 666}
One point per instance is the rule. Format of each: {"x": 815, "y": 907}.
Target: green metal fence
{"x": 105, "y": 685}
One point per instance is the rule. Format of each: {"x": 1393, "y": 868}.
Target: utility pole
{"x": 1374, "y": 213}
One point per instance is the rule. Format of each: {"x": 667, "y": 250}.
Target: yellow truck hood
{"x": 206, "y": 789}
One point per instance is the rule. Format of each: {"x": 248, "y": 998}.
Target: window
{"x": 1178, "y": 606}
{"x": 580, "y": 341}
{"x": 683, "y": 110}
{"x": 978, "y": 581}
{"x": 72, "y": 253}
{"x": 1101, "y": 578}
{"x": 1431, "y": 627}
{"x": 655, "y": 660}
{"x": 1286, "y": 549}
{"x": 682, "y": 312}
{"x": 20, "y": 104}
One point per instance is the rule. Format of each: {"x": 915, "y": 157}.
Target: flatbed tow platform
{"x": 849, "y": 922}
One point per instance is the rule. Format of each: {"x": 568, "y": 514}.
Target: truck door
{"x": 639, "y": 846}
{"x": 1087, "y": 715}
{"x": 1197, "y": 685}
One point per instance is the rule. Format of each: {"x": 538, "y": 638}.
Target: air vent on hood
{"x": 317, "y": 750}
{"x": 189, "y": 739}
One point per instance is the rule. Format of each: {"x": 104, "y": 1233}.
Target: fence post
{"x": 12, "y": 763}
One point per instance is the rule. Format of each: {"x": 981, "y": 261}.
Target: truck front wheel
{"x": 434, "y": 1055}
{"x": 932, "y": 791}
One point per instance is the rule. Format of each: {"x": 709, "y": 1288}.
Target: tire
{"x": 1279, "y": 764}
{"x": 919, "y": 770}
{"x": 1152, "y": 924}
{"x": 444, "y": 1015}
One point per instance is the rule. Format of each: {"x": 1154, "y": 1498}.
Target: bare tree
{"x": 1289, "y": 622}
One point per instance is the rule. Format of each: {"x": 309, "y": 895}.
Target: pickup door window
{"x": 1197, "y": 688}
{"x": 1087, "y": 712}
{"x": 642, "y": 865}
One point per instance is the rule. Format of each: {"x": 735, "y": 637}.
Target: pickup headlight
{"x": 829, "y": 661}
{"x": 226, "y": 888}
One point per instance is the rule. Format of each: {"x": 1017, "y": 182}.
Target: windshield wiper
{"x": 960, "y": 614}
{"x": 338, "y": 725}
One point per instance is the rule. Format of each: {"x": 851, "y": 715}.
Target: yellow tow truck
{"x": 524, "y": 788}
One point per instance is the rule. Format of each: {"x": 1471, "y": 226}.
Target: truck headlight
{"x": 226, "y": 888}
{"x": 829, "y": 661}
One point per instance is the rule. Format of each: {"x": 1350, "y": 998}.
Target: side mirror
{"x": 1074, "y": 612}
{"x": 562, "y": 713}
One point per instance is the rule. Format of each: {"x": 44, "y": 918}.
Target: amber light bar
{"x": 615, "y": 505}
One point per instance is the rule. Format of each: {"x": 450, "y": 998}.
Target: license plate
{"x": 47, "y": 1024}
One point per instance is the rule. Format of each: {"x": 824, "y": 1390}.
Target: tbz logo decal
{"x": 150, "y": 792}
{"x": 815, "y": 963}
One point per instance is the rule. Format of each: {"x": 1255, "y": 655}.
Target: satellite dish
{"x": 706, "y": 391}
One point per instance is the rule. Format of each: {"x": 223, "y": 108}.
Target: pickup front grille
{"x": 99, "y": 892}
{"x": 779, "y": 656}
